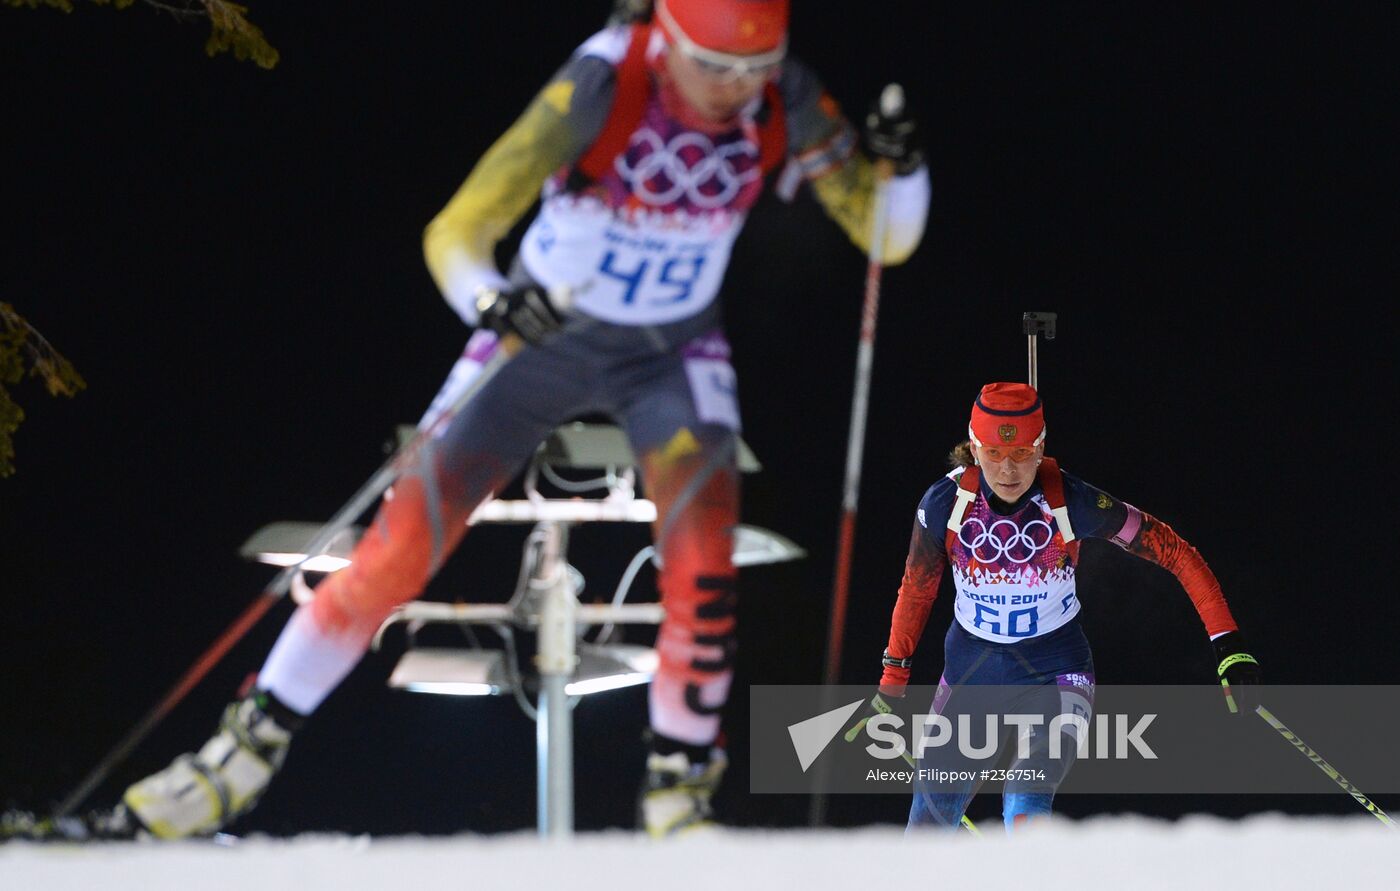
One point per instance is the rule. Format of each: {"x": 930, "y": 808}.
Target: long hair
{"x": 961, "y": 455}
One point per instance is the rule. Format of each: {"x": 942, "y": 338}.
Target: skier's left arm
{"x": 825, "y": 152}
{"x": 1095, "y": 514}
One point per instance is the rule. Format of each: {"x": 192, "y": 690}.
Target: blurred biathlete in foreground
{"x": 1009, "y": 523}
{"x": 651, "y": 145}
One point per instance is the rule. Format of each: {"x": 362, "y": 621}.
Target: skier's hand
{"x": 892, "y": 685}
{"x": 1240, "y": 674}
{"x": 524, "y": 311}
{"x": 891, "y": 133}
{"x": 878, "y": 705}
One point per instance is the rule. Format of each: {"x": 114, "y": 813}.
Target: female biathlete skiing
{"x": 1008, "y": 522}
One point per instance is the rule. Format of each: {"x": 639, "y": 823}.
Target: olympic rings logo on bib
{"x": 1019, "y": 545}
{"x": 659, "y": 174}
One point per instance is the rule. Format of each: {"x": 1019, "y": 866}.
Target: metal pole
{"x": 1032, "y": 373}
{"x": 1034, "y": 325}
{"x": 554, "y": 732}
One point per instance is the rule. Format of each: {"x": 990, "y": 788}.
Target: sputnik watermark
{"x": 1111, "y": 735}
{"x": 1077, "y": 737}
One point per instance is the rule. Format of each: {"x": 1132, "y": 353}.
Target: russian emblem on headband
{"x": 1007, "y": 432}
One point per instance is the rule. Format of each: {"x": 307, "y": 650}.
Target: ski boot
{"x": 676, "y": 794}
{"x": 199, "y": 793}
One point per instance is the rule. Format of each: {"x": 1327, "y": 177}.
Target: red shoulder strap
{"x": 772, "y": 134}
{"x": 1052, "y": 483}
{"x": 971, "y": 478}
{"x": 629, "y": 104}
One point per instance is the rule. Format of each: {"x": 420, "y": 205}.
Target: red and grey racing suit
{"x": 1016, "y": 625}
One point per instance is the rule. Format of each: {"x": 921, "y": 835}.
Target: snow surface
{"x": 1104, "y": 853}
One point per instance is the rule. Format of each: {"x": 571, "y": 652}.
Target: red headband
{"x": 739, "y": 27}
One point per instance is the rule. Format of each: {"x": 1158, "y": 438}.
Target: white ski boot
{"x": 676, "y": 795}
{"x": 199, "y": 793}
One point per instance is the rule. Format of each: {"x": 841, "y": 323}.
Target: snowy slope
{"x": 1114, "y": 853}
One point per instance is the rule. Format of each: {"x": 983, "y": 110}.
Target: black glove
{"x": 891, "y": 691}
{"x": 1239, "y": 672}
{"x": 891, "y": 133}
{"x": 524, "y": 311}
{"x": 878, "y": 705}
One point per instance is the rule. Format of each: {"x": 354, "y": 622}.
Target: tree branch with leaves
{"x": 229, "y": 28}
{"x": 23, "y": 347}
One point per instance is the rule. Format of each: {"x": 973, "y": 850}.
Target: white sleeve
{"x": 907, "y": 209}
{"x": 463, "y": 278}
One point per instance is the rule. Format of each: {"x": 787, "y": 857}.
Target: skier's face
{"x": 1008, "y": 477}
{"x": 717, "y": 96}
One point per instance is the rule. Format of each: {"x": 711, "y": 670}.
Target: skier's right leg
{"x": 1064, "y": 700}
{"x": 940, "y": 804}
{"x": 420, "y": 521}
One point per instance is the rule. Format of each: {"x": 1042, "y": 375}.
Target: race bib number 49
{"x": 663, "y": 280}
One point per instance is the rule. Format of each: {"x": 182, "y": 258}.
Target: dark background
{"x": 231, "y": 258}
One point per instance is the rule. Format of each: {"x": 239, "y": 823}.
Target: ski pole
{"x": 277, "y": 588}
{"x": 860, "y": 400}
{"x": 855, "y": 442}
{"x": 1326, "y": 768}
